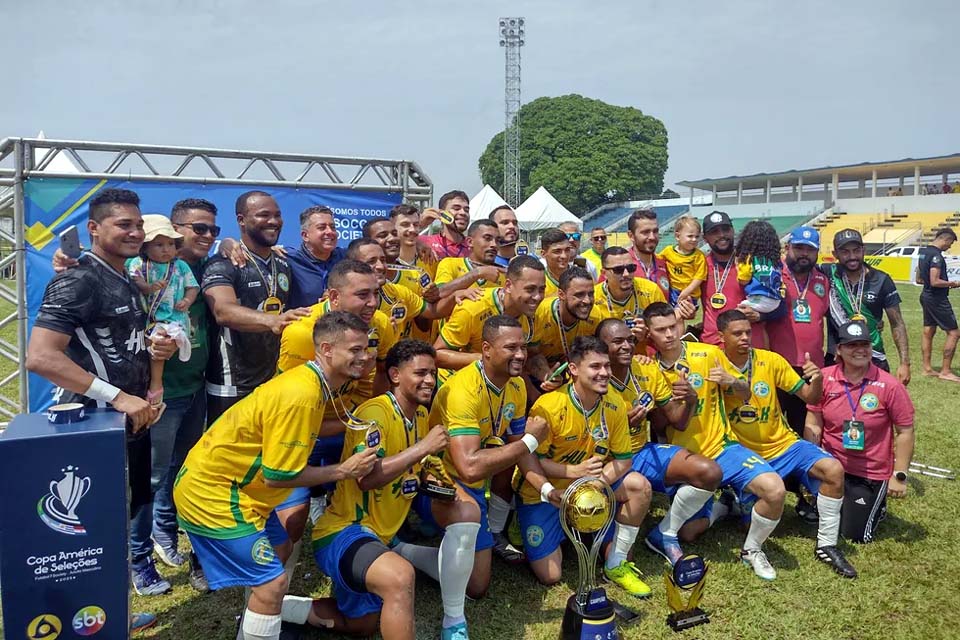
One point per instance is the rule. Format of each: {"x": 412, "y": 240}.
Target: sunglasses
{"x": 629, "y": 268}
{"x": 574, "y": 236}
{"x": 200, "y": 228}
{"x": 599, "y": 238}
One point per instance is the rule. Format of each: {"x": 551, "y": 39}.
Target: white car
{"x": 906, "y": 252}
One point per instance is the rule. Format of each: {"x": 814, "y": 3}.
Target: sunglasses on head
{"x": 629, "y": 268}
{"x": 574, "y": 236}
{"x": 200, "y": 228}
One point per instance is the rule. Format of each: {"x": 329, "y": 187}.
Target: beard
{"x": 799, "y": 267}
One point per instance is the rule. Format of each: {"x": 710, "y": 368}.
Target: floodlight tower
{"x": 511, "y": 39}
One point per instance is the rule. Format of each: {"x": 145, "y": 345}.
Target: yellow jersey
{"x": 642, "y": 378}
{"x": 553, "y": 338}
{"x": 590, "y": 255}
{"x": 220, "y": 490}
{"x": 381, "y": 510}
{"x": 682, "y": 269}
{"x": 763, "y": 430}
{"x": 296, "y": 345}
{"x": 470, "y": 405}
{"x": 416, "y": 279}
{"x": 450, "y": 269}
{"x": 463, "y": 330}
{"x": 575, "y": 435}
{"x": 401, "y": 305}
{"x": 644, "y": 294}
{"x": 552, "y": 285}
{"x": 708, "y": 430}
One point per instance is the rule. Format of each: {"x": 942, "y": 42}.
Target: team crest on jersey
{"x": 283, "y": 282}
{"x": 869, "y": 402}
{"x": 262, "y": 551}
{"x": 509, "y": 411}
{"x": 696, "y": 380}
{"x": 761, "y": 389}
{"x": 664, "y": 283}
{"x": 819, "y": 289}
{"x": 534, "y": 536}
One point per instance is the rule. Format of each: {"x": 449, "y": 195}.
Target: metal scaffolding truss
{"x": 24, "y": 158}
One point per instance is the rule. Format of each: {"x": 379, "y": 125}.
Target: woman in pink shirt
{"x": 864, "y": 420}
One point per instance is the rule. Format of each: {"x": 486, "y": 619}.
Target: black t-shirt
{"x": 241, "y": 361}
{"x": 99, "y": 308}
{"x": 931, "y": 256}
{"x": 879, "y": 293}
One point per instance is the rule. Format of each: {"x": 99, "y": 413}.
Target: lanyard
{"x": 801, "y": 294}
{"x": 633, "y": 381}
{"x": 748, "y": 369}
{"x": 272, "y": 284}
{"x": 651, "y": 273}
{"x": 446, "y": 244}
{"x": 383, "y": 296}
{"x": 720, "y": 280}
{"x": 683, "y": 356}
{"x": 498, "y": 303}
{"x": 855, "y": 406}
{"x": 158, "y": 296}
{"x": 560, "y": 326}
{"x": 859, "y": 289}
{"x": 494, "y": 424}
{"x": 610, "y": 300}
{"x": 409, "y": 426}
{"x": 603, "y": 433}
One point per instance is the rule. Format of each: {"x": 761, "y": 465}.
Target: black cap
{"x": 846, "y": 236}
{"x": 855, "y": 331}
{"x": 715, "y": 219}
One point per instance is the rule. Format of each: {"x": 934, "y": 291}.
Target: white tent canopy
{"x": 542, "y": 211}
{"x": 484, "y": 202}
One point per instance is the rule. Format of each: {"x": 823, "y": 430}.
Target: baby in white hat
{"x": 169, "y": 288}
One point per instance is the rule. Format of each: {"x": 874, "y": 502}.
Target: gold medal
{"x": 409, "y": 485}
{"x": 522, "y": 248}
{"x": 645, "y": 399}
{"x": 718, "y": 300}
{"x": 493, "y": 441}
{"x": 601, "y": 448}
{"x": 747, "y": 413}
{"x": 446, "y": 217}
{"x": 398, "y": 311}
{"x": 272, "y": 305}
{"x": 858, "y": 317}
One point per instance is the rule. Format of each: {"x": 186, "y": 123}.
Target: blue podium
{"x": 64, "y": 526}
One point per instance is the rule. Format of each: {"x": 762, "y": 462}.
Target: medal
{"x": 398, "y": 311}
{"x": 522, "y": 248}
{"x": 409, "y": 485}
{"x": 682, "y": 367}
{"x": 645, "y": 399}
{"x": 446, "y": 217}
{"x": 272, "y": 305}
{"x": 747, "y": 413}
{"x": 424, "y": 280}
{"x": 718, "y": 300}
{"x": 601, "y": 448}
{"x": 858, "y": 317}
{"x": 493, "y": 441}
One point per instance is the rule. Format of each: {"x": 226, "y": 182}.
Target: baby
{"x": 686, "y": 264}
{"x": 169, "y": 288}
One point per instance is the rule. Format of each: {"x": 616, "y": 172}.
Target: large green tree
{"x": 585, "y": 152}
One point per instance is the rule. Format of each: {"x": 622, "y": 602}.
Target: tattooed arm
{"x": 899, "y": 330}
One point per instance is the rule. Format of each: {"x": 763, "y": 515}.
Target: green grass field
{"x": 907, "y": 586}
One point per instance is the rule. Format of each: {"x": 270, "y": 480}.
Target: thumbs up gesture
{"x": 719, "y": 375}
{"x": 811, "y": 372}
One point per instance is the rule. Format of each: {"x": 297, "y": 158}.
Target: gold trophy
{"x": 586, "y": 511}
{"x": 689, "y": 574}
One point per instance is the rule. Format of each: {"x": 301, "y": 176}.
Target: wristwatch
{"x": 901, "y": 476}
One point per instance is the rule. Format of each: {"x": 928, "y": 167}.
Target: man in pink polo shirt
{"x": 454, "y": 217}
{"x": 864, "y": 420}
{"x": 644, "y": 230}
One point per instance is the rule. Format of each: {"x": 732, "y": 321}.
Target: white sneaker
{"x": 758, "y": 561}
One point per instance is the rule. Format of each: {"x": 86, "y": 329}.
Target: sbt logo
{"x": 89, "y": 620}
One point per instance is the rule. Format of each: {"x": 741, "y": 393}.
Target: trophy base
{"x": 595, "y": 620}
{"x": 686, "y": 619}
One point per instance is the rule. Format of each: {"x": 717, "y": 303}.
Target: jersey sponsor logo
{"x": 262, "y": 551}
{"x": 253, "y": 284}
{"x": 293, "y": 443}
{"x": 695, "y": 380}
{"x": 534, "y": 536}
{"x": 283, "y": 282}
{"x": 761, "y": 389}
{"x": 123, "y": 309}
{"x": 869, "y": 402}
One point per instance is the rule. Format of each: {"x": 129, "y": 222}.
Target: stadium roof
{"x": 937, "y": 165}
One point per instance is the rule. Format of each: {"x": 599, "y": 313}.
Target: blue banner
{"x": 53, "y": 204}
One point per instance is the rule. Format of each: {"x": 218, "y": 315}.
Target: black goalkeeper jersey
{"x": 99, "y": 308}
{"x": 241, "y": 361}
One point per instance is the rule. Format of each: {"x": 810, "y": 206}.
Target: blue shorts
{"x": 326, "y": 451}
{"x": 542, "y": 533}
{"x": 651, "y": 461}
{"x": 421, "y": 505}
{"x": 740, "y": 466}
{"x": 327, "y": 556}
{"x": 675, "y": 295}
{"x": 797, "y": 461}
{"x": 248, "y": 561}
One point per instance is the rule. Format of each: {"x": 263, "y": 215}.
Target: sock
{"x": 246, "y": 599}
{"x": 291, "y": 564}
{"x": 623, "y": 539}
{"x": 687, "y": 502}
{"x": 760, "y": 530}
{"x": 829, "y": 528}
{"x": 718, "y": 511}
{"x": 257, "y": 626}
{"x": 498, "y": 510}
{"x": 423, "y": 558}
{"x": 456, "y": 564}
{"x": 296, "y": 609}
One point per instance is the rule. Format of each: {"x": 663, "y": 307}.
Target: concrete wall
{"x": 901, "y": 204}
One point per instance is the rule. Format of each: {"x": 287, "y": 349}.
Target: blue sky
{"x": 742, "y": 87}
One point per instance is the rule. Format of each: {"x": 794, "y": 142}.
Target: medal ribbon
{"x": 651, "y": 273}
{"x": 155, "y": 303}
{"x": 408, "y": 425}
{"x": 720, "y": 280}
{"x": 272, "y": 285}
{"x": 855, "y": 303}
{"x": 610, "y": 300}
{"x": 801, "y": 295}
{"x": 560, "y": 327}
{"x": 494, "y": 424}
{"x": 604, "y": 433}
